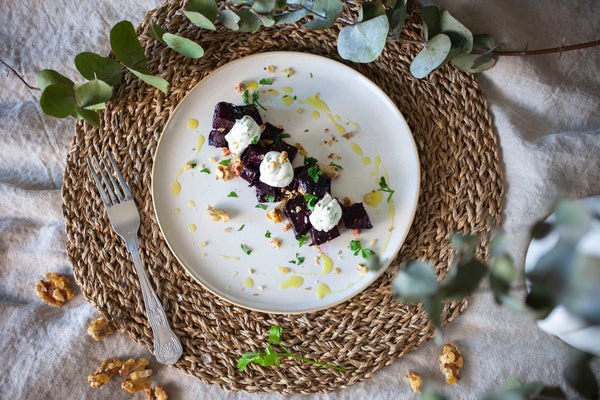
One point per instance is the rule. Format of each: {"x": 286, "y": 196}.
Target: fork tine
{"x": 105, "y": 181}
{"x": 103, "y": 195}
{"x": 115, "y": 186}
{"x": 122, "y": 181}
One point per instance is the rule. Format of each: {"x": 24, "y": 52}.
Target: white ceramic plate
{"x": 211, "y": 251}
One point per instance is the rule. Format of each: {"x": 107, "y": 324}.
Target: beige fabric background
{"x": 547, "y": 114}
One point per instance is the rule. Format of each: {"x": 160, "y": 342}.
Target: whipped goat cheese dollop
{"x": 327, "y": 214}
{"x": 276, "y": 169}
{"x": 244, "y": 132}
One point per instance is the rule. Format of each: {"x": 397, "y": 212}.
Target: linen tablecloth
{"x": 546, "y": 111}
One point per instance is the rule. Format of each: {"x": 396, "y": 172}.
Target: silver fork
{"x": 125, "y": 220}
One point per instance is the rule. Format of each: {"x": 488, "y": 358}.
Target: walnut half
{"x": 54, "y": 289}
{"x": 157, "y": 394}
{"x": 104, "y": 372}
{"x": 451, "y": 362}
{"x": 139, "y": 376}
{"x": 100, "y": 328}
{"x": 217, "y": 215}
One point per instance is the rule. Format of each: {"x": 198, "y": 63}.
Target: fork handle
{"x": 167, "y": 348}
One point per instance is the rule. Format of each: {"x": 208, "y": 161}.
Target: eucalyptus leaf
{"x": 200, "y": 20}
{"x": 264, "y": 6}
{"x": 90, "y": 116}
{"x": 370, "y": 10}
{"x": 229, "y": 19}
{"x": 208, "y": 8}
{"x": 502, "y": 274}
{"x": 473, "y": 63}
{"x": 93, "y": 92}
{"x": 431, "y": 21}
{"x": 156, "y": 32}
{"x": 184, "y": 46}
{"x": 249, "y": 22}
{"x": 93, "y": 66}
{"x": 397, "y": 18}
{"x": 97, "y": 106}
{"x": 427, "y": 393}
{"x": 582, "y": 292}
{"x": 483, "y": 41}
{"x": 280, "y": 5}
{"x": 290, "y": 17}
{"x": 47, "y": 77}
{"x": 267, "y": 20}
{"x": 391, "y": 3}
{"x": 364, "y": 41}
{"x": 541, "y": 230}
{"x": 463, "y": 279}
{"x": 431, "y": 57}
{"x": 152, "y": 80}
{"x": 434, "y": 307}
{"x": 580, "y": 376}
{"x": 58, "y": 100}
{"x": 329, "y": 9}
{"x": 415, "y": 282}
{"x": 319, "y": 24}
{"x": 572, "y": 219}
{"x": 127, "y": 48}
{"x": 511, "y": 383}
{"x": 460, "y": 35}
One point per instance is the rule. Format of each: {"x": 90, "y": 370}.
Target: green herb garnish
{"x": 271, "y": 357}
{"x": 225, "y": 162}
{"x": 383, "y": 186}
{"x": 261, "y": 206}
{"x": 311, "y": 75}
{"x": 356, "y": 247}
{"x": 278, "y": 138}
{"x": 254, "y": 102}
{"x": 336, "y": 165}
{"x": 299, "y": 260}
{"x": 245, "y": 249}
{"x": 205, "y": 170}
{"x": 266, "y": 81}
{"x": 232, "y": 194}
{"x": 241, "y": 227}
{"x": 314, "y": 172}
{"x": 254, "y": 140}
{"x": 302, "y": 239}
{"x": 310, "y": 160}
{"x": 270, "y": 198}
{"x": 245, "y": 97}
{"x": 311, "y": 201}
{"x": 267, "y": 234}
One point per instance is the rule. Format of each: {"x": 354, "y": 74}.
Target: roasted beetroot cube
{"x": 266, "y": 193}
{"x": 270, "y": 131}
{"x": 308, "y": 184}
{"x": 249, "y": 174}
{"x": 356, "y": 217}
{"x": 216, "y": 138}
{"x": 253, "y": 155}
{"x": 226, "y": 114}
{"x": 297, "y": 213}
{"x": 320, "y": 237}
{"x": 283, "y": 146}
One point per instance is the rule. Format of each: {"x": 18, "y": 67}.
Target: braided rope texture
{"x": 461, "y": 190}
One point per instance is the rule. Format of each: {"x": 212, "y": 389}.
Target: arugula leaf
{"x": 225, "y": 162}
{"x": 315, "y": 172}
{"x": 266, "y": 81}
{"x": 383, "y": 186}
{"x": 311, "y": 201}
{"x": 245, "y": 249}
{"x": 232, "y": 194}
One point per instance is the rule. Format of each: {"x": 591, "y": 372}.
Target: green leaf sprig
{"x": 270, "y": 357}
{"x": 357, "y": 248}
{"x": 383, "y": 187}
{"x": 315, "y": 172}
{"x": 311, "y": 201}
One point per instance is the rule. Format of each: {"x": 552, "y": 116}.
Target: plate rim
{"x": 381, "y": 270}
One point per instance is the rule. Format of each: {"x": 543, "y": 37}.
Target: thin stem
{"x": 341, "y": 19}
{"x": 559, "y": 49}
{"x": 19, "y": 76}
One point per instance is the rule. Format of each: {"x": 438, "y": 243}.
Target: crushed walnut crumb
{"x": 217, "y": 215}
{"x": 275, "y": 215}
{"x": 271, "y": 69}
{"x": 240, "y": 87}
{"x": 299, "y": 110}
{"x": 451, "y": 362}
{"x": 361, "y": 268}
{"x": 212, "y": 160}
{"x": 330, "y": 171}
{"x": 225, "y": 152}
{"x": 348, "y": 135}
{"x": 301, "y": 150}
{"x": 54, "y": 289}
{"x": 139, "y": 375}
{"x": 286, "y": 227}
{"x": 158, "y": 393}
{"x": 414, "y": 380}
{"x": 224, "y": 173}
{"x": 276, "y": 242}
{"x": 287, "y": 71}
{"x": 356, "y": 232}
{"x": 283, "y": 157}
{"x": 334, "y": 156}
{"x": 336, "y": 271}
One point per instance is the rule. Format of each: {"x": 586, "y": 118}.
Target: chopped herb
{"x": 314, "y": 172}
{"x": 306, "y": 130}
{"x": 270, "y": 198}
{"x": 299, "y": 260}
{"x": 356, "y": 247}
{"x": 383, "y": 186}
{"x": 266, "y": 81}
{"x": 245, "y": 249}
{"x": 336, "y": 165}
{"x": 241, "y": 227}
{"x": 205, "y": 170}
{"x": 302, "y": 239}
{"x": 254, "y": 140}
{"x": 267, "y": 234}
{"x": 278, "y": 138}
{"x": 225, "y": 162}
{"x": 261, "y": 206}
{"x": 232, "y": 194}
{"x": 311, "y": 201}
{"x": 295, "y": 97}
{"x": 256, "y": 102}
{"x": 245, "y": 97}
{"x": 310, "y": 160}
{"x": 311, "y": 75}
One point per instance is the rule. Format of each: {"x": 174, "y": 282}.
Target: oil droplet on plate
{"x": 249, "y": 283}
{"x": 287, "y": 90}
{"x": 322, "y": 291}
{"x": 192, "y": 123}
{"x": 283, "y": 270}
{"x": 316, "y": 115}
{"x": 315, "y": 102}
{"x": 177, "y": 210}
{"x": 373, "y": 198}
{"x": 273, "y": 92}
{"x": 176, "y": 186}
{"x": 192, "y": 228}
{"x": 337, "y": 126}
{"x": 287, "y": 100}
{"x": 199, "y": 143}
{"x": 356, "y": 149}
{"x": 338, "y": 118}
{"x": 366, "y": 161}
{"x": 234, "y": 258}
{"x": 252, "y": 85}
{"x": 326, "y": 264}
{"x": 291, "y": 282}
{"x": 191, "y": 203}
{"x": 354, "y": 124}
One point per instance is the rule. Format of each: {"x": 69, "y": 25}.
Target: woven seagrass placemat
{"x": 461, "y": 189}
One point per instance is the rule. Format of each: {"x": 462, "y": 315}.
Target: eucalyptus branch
{"x": 559, "y": 49}
{"x": 19, "y": 76}
{"x": 340, "y": 19}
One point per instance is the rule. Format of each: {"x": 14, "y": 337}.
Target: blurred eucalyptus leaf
{"x": 433, "y": 56}
{"x": 364, "y": 41}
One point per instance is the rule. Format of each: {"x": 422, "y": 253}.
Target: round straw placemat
{"x": 461, "y": 189}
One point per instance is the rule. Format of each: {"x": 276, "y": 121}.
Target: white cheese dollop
{"x": 245, "y": 132}
{"x": 276, "y": 169}
{"x": 326, "y": 214}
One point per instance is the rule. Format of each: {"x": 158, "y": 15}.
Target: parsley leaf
{"x": 232, "y": 194}
{"x": 266, "y": 81}
{"x": 245, "y": 249}
{"x": 311, "y": 201}
{"x": 267, "y": 234}
{"x": 261, "y": 206}
{"x": 256, "y": 102}
{"x": 241, "y": 227}
{"x": 336, "y": 165}
{"x": 383, "y": 186}
{"x": 275, "y": 334}
{"x": 270, "y": 198}
{"x": 254, "y": 140}
{"x": 205, "y": 170}
{"x": 278, "y": 138}
{"x": 310, "y": 160}
{"x": 302, "y": 239}
{"x": 314, "y": 172}
{"x": 356, "y": 247}
{"x": 225, "y": 162}
{"x": 245, "y": 97}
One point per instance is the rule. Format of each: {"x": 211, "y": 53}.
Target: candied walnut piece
{"x": 54, "y": 289}
{"x": 137, "y": 381}
{"x": 132, "y": 365}
{"x": 301, "y": 150}
{"x": 224, "y": 173}
{"x": 158, "y": 393}
{"x": 100, "y": 328}
{"x": 271, "y": 69}
{"x": 104, "y": 372}
{"x": 275, "y": 215}
{"x": 240, "y": 87}
{"x": 217, "y": 215}
{"x": 415, "y": 381}
{"x": 330, "y": 171}
{"x": 451, "y": 362}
